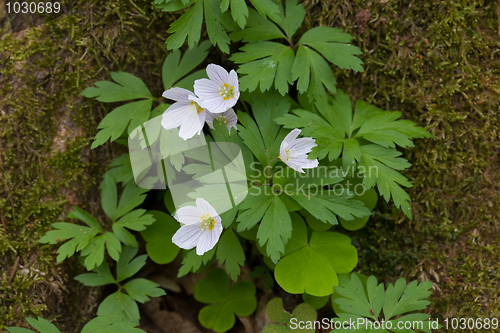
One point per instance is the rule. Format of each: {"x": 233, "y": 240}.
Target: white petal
{"x": 302, "y": 162}
{"x": 231, "y": 118}
{"x": 229, "y": 115}
{"x": 177, "y": 94}
{"x": 217, "y": 74}
{"x": 192, "y": 126}
{"x": 303, "y": 146}
{"x": 291, "y": 137}
{"x": 189, "y": 215}
{"x": 209, "y": 118}
{"x": 206, "y": 208}
{"x": 177, "y": 114}
{"x": 216, "y": 104}
{"x": 208, "y": 239}
{"x": 187, "y": 236}
{"x": 233, "y": 81}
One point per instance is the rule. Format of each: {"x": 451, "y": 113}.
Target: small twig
{"x": 13, "y": 270}
{"x": 4, "y": 226}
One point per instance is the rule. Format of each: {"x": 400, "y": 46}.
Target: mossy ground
{"x": 46, "y": 165}
{"x": 436, "y": 61}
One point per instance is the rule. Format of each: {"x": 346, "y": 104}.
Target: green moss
{"x": 437, "y": 62}
{"x": 46, "y": 165}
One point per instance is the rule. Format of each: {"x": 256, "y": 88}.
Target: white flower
{"x": 228, "y": 117}
{"x": 186, "y": 112}
{"x": 220, "y": 92}
{"x": 293, "y": 151}
{"x": 200, "y": 226}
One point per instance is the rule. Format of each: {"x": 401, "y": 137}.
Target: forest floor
{"x": 436, "y": 61}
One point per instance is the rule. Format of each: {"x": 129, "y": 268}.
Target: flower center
{"x": 226, "y": 91}
{"x": 207, "y": 222}
{"x": 222, "y": 119}
{"x": 287, "y": 152}
{"x": 199, "y": 109}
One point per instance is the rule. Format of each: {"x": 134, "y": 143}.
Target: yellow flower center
{"x": 197, "y": 106}
{"x": 287, "y": 155}
{"x": 222, "y": 119}
{"x": 227, "y": 91}
{"x": 207, "y": 222}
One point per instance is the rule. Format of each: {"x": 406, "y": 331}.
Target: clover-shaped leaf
{"x": 224, "y": 302}
{"x": 301, "y": 320}
{"x": 311, "y": 266}
{"x": 158, "y": 237}
{"x": 369, "y": 198}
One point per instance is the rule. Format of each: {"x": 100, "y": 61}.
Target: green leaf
{"x": 126, "y": 267}
{"x": 188, "y": 25}
{"x": 111, "y": 323}
{"x": 80, "y": 214}
{"x": 341, "y": 133}
{"x": 384, "y": 130}
{"x": 174, "y": 68}
{"x": 388, "y": 180}
{"x": 295, "y": 14}
{"x": 158, "y": 237}
{"x": 129, "y": 87}
{"x": 239, "y": 12}
{"x": 94, "y": 252}
{"x": 113, "y": 245}
{"x": 124, "y": 235}
{"x": 267, "y": 8}
{"x": 193, "y": 262}
{"x": 358, "y": 300}
{"x": 109, "y": 197}
{"x": 351, "y": 154}
{"x": 252, "y": 209}
{"x": 140, "y": 289}
{"x": 326, "y": 207}
{"x": 315, "y": 301}
{"x": 369, "y": 198}
{"x": 230, "y": 253}
{"x": 120, "y": 304}
{"x": 275, "y": 229}
{"x": 121, "y": 169}
{"x": 128, "y": 116}
{"x": 101, "y": 276}
{"x": 265, "y": 62}
{"x": 275, "y": 311}
{"x": 402, "y": 298}
{"x": 42, "y": 325}
{"x": 334, "y": 46}
{"x": 258, "y": 29}
{"x": 225, "y": 303}
{"x": 79, "y": 237}
{"x": 18, "y": 330}
{"x": 136, "y": 220}
{"x": 313, "y": 74}
{"x": 303, "y": 313}
{"x": 263, "y": 136}
{"x": 216, "y": 32}
{"x": 131, "y": 197}
{"x": 312, "y": 267}
{"x": 172, "y": 5}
